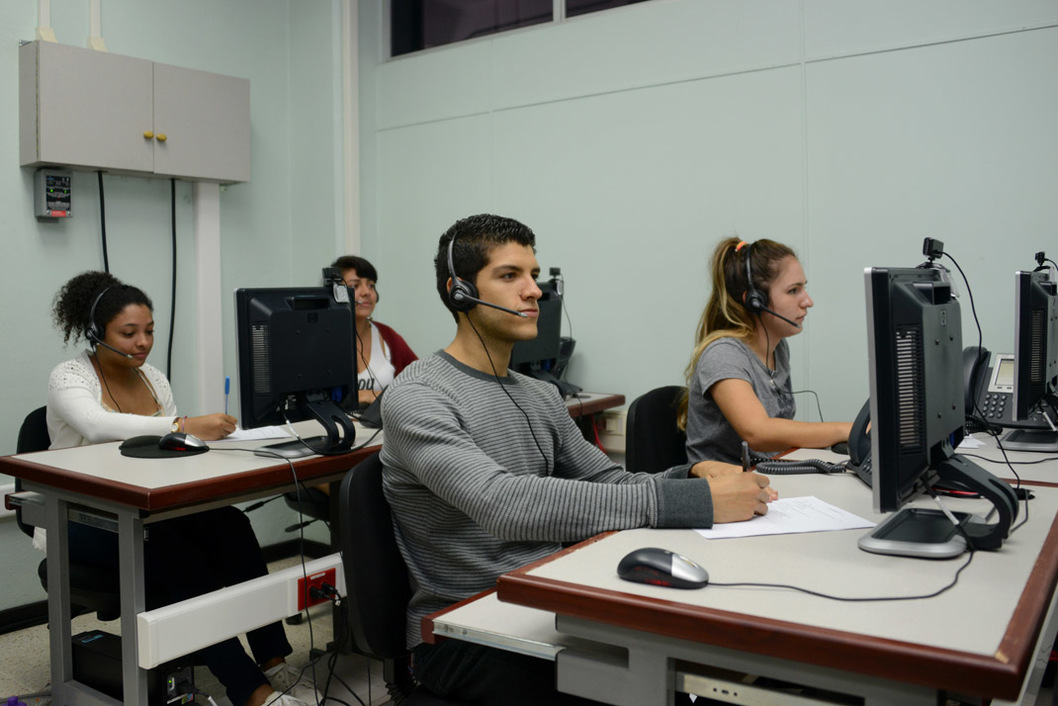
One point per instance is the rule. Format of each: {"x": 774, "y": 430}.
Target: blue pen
{"x": 227, "y": 389}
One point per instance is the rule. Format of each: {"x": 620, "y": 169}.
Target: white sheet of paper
{"x": 970, "y": 442}
{"x": 241, "y": 434}
{"x": 790, "y": 516}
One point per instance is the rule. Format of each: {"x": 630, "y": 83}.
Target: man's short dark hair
{"x": 476, "y": 237}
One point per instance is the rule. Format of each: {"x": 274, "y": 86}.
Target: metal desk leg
{"x": 133, "y": 602}
{"x": 58, "y": 546}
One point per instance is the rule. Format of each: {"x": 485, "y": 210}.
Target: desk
{"x": 136, "y": 492}
{"x": 989, "y": 636}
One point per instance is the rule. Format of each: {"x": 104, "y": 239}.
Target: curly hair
{"x": 72, "y": 308}
{"x": 476, "y": 237}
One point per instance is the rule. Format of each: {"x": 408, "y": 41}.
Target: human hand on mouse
{"x": 210, "y": 426}
{"x": 713, "y": 469}
{"x": 739, "y": 497}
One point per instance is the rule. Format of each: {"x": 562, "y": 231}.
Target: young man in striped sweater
{"x": 485, "y": 471}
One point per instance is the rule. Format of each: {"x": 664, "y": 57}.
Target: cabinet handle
{"x": 160, "y": 137}
{"x": 148, "y": 134}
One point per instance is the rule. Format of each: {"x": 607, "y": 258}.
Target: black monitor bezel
{"x": 330, "y": 360}
{"x": 904, "y": 467}
{"x": 1035, "y": 331}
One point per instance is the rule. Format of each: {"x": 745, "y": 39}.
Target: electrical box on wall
{"x": 53, "y": 195}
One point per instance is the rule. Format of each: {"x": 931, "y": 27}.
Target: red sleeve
{"x": 401, "y": 354}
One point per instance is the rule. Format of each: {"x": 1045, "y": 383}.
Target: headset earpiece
{"x": 462, "y": 294}
{"x": 94, "y": 334}
{"x": 755, "y": 301}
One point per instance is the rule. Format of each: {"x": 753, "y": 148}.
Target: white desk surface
{"x": 99, "y": 470}
{"x": 973, "y": 622}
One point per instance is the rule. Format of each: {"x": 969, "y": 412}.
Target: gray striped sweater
{"x": 478, "y": 487}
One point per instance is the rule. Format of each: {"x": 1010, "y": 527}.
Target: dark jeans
{"x": 186, "y": 557}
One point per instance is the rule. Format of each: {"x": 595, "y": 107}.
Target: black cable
{"x": 853, "y": 599}
{"x": 503, "y": 387}
{"x": 172, "y": 306}
{"x": 103, "y": 223}
{"x": 819, "y": 408}
{"x": 977, "y": 407}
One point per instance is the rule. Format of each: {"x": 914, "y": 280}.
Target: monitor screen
{"x": 296, "y": 354}
{"x": 1035, "y": 341}
{"x": 541, "y": 353}
{"x": 918, "y": 394}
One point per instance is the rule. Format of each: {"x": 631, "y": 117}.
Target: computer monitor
{"x": 914, "y": 331}
{"x": 296, "y": 356}
{"x": 539, "y": 357}
{"x": 1035, "y": 359}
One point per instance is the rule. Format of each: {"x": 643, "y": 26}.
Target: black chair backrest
{"x": 653, "y": 441}
{"x": 32, "y": 436}
{"x": 376, "y": 578}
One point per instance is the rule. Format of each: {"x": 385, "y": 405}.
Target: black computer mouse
{"x": 661, "y": 567}
{"x": 179, "y": 441}
{"x": 842, "y": 447}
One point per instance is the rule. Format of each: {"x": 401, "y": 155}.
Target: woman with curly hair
{"x": 109, "y": 392}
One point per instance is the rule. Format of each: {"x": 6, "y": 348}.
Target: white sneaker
{"x": 285, "y": 675}
{"x": 280, "y": 699}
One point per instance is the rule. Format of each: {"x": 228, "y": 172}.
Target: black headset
{"x": 462, "y": 295}
{"x": 94, "y": 333}
{"x": 755, "y": 301}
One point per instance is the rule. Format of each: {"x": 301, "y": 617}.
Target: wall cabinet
{"x": 88, "y": 109}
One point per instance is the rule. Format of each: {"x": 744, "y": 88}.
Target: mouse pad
{"x": 147, "y": 447}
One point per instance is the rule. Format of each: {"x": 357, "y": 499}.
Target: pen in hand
{"x": 227, "y": 389}
{"x": 745, "y": 457}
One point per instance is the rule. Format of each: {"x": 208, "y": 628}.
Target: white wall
{"x": 633, "y": 140}
{"x": 278, "y": 229}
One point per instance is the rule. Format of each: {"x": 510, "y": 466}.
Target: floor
{"x": 25, "y": 664}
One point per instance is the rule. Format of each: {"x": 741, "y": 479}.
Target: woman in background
{"x": 381, "y": 353}
{"x": 738, "y": 379}
{"x": 110, "y": 393}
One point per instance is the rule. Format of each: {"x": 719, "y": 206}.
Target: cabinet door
{"x": 91, "y": 110}
{"x": 201, "y": 125}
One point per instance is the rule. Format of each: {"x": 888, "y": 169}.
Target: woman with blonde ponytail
{"x": 738, "y": 379}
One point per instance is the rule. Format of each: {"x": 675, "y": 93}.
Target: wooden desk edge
{"x": 313, "y": 469}
{"x": 999, "y": 676}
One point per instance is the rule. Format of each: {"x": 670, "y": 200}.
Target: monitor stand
{"x": 1038, "y": 440}
{"x": 566, "y": 389}
{"x": 917, "y": 532}
{"x": 340, "y": 432}
{"x": 928, "y": 533}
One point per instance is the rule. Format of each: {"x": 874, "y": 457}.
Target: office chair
{"x": 92, "y": 588}
{"x": 653, "y": 441}
{"x": 376, "y": 581}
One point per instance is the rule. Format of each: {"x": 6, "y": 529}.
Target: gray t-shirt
{"x": 709, "y": 435}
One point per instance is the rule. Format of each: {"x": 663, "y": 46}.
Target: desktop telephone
{"x": 996, "y": 400}
{"x": 990, "y": 398}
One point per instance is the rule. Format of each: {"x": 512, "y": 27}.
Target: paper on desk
{"x": 790, "y": 516}
{"x": 241, "y": 434}
{"x": 970, "y": 442}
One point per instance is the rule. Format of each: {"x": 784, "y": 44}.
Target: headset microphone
{"x": 94, "y": 333}
{"x": 755, "y": 300}
{"x": 463, "y": 295}
{"x": 780, "y": 316}
{"x": 460, "y": 297}
{"x": 105, "y": 345}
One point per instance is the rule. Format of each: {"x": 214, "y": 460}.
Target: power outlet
{"x": 305, "y": 586}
